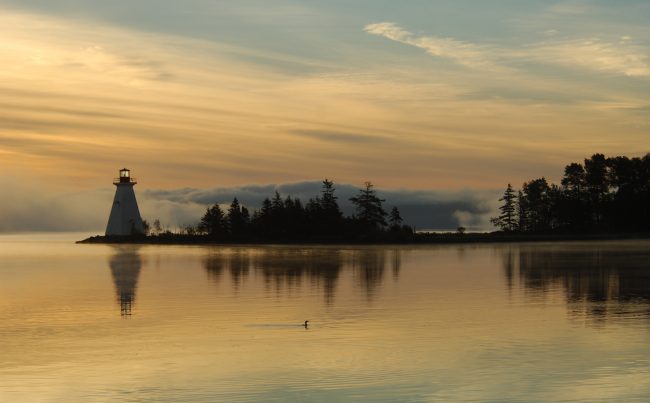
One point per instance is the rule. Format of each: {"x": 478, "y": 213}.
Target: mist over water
{"x": 508, "y": 322}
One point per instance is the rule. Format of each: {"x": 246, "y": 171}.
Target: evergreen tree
{"x": 245, "y": 216}
{"x": 277, "y": 203}
{"x": 368, "y": 208}
{"x": 507, "y": 220}
{"x": 596, "y": 178}
{"x": 395, "y": 219}
{"x": 278, "y": 218}
{"x": 265, "y": 211}
{"x": 295, "y": 223}
{"x": 535, "y": 202}
{"x": 235, "y": 219}
{"x": 572, "y": 200}
{"x": 574, "y": 179}
{"x": 329, "y": 217}
{"x": 328, "y": 200}
{"x": 157, "y": 228}
{"x": 263, "y": 218}
{"x": 522, "y": 213}
{"x": 213, "y": 222}
{"x": 603, "y": 194}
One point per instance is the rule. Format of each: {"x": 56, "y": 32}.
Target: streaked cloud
{"x": 622, "y": 57}
{"x": 463, "y": 53}
{"x": 340, "y": 137}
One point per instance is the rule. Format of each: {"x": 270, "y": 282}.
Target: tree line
{"x": 602, "y": 194}
{"x": 289, "y": 219}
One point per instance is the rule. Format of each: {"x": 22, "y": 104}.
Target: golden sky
{"x": 431, "y": 96}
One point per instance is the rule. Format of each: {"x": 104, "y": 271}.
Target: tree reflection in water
{"x": 369, "y": 266}
{"x": 239, "y": 263}
{"x": 397, "y": 262}
{"x": 600, "y": 282}
{"x": 125, "y": 267}
{"x": 286, "y": 269}
{"x": 214, "y": 265}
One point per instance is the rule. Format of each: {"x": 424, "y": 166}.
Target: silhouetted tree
{"x": 328, "y": 200}
{"x": 328, "y": 217}
{"x": 157, "y": 228}
{"x": 320, "y": 220}
{"x": 596, "y": 178}
{"x": 521, "y": 212}
{"x": 235, "y": 218}
{"x": 261, "y": 221}
{"x": 604, "y": 194}
{"x": 507, "y": 220}
{"x": 368, "y": 208}
{"x": 294, "y": 223}
{"x": 535, "y": 206}
{"x": 278, "y": 218}
{"x": 213, "y": 222}
{"x": 395, "y": 219}
{"x": 245, "y": 216}
{"x": 574, "y": 179}
{"x": 571, "y": 204}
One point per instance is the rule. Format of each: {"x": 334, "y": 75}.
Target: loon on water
{"x": 306, "y": 323}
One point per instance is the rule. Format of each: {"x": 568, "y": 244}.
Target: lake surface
{"x": 563, "y": 322}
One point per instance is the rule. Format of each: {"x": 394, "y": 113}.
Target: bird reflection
{"x": 599, "y": 283}
{"x": 125, "y": 267}
{"x": 288, "y": 269}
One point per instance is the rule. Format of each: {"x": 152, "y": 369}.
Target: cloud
{"x": 621, "y": 56}
{"x": 463, "y": 53}
{"x": 570, "y": 8}
{"x": 339, "y": 137}
{"x": 423, "y": 209}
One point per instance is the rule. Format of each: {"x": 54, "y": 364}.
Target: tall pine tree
{"x": 368, "y": 208}
{"x": 507, "y": 220}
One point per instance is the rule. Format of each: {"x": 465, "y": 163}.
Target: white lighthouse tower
{"x": 125, "y": 216}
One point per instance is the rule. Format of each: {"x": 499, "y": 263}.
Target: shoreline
{"x": 417, "y": 239}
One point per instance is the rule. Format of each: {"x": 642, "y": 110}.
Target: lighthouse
{"x": 125, "y": 216}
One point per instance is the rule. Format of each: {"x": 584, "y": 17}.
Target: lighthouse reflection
{"x": 125, "y": 267}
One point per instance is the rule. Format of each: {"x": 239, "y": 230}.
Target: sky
{"x": 442, "y": 101}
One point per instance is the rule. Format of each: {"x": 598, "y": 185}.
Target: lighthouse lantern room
{"x": 125, "y": 216}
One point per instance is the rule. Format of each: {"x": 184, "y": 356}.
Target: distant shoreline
{"x": 415, "y": 239}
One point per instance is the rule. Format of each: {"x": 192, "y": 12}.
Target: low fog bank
{"x": 27, "y": 206}
{"x": 423, "y": 209}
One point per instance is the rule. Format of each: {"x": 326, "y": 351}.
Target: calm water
{"x": 530, "y": 322}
